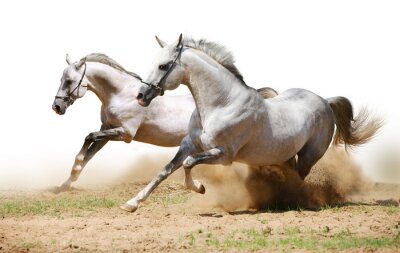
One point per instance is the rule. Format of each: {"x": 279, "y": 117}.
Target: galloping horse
{"x": 123, "y": 119}
{"x": 232, "y": 122}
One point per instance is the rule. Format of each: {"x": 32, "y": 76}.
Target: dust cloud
{"x": 335, "y": 177}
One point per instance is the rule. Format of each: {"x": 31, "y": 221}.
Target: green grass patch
{"x": 170, "y": 199}
{"x": 333, "y": 208}
{"x": 76, "y": 203}
{"x": 53, "y": 206}
{"x": 28, "y": 246}
{"x": 291, "y": 239}
{"x": 248, "y": 239}
{"x": 392, "y": 209}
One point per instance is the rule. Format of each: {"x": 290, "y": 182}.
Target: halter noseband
{"x": 68, "y": 97}
{"x": 157, "y": 86}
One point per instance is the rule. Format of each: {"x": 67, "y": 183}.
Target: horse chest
{"x": 117, "y": 115}
{"x": 111, "y": 115}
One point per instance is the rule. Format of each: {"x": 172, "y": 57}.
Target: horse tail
{"x": 352, "y": 131}
{"x": 267, "y": 92}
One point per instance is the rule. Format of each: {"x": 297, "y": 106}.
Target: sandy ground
{"x": 354, "y": 215}
{"x": 177, "y": 220}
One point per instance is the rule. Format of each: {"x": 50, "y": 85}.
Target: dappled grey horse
{"x": 123, "y": 119}
{"x": 232, "y": 122}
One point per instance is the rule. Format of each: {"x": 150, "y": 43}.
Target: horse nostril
{"x": 57, "y": 108}
{"x": 139, "y": 96}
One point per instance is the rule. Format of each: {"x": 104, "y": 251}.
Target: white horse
{"x": 123, "y": 119}
{"x": 232, "y": 122}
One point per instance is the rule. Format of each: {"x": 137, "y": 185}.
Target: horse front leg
{"x": 186, "y": 148}
{"x": 81, "y": 160}
{"x": 208, "y": 157}
{"x": 93, "y": 143}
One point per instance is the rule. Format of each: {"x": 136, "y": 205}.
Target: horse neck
{"x": 105, "y": 81}
{"x": 212, "y": 85}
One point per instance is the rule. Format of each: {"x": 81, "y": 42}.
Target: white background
{"x": 348, "y": 48}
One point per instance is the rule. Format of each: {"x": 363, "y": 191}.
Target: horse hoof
{"x": 127, "y": 207}
{"x": 198, "y": 187}
{"x": 202, "y": 189}
{"x": 54, "y": 189}
{"x": 59, "y": 189}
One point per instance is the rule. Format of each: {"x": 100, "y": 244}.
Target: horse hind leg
{"x": 309, "y": 155}
{"x": 291, "y": 163}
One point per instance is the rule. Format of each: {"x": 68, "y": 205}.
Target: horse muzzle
{"x": 59, "y": 108}
{"x": 145, "y": 95}
{"x": 142, "y": 102}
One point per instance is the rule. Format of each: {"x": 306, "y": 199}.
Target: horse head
{"x": 73, "y": 85}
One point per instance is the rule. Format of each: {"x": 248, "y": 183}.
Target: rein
{"x": 157, "y": 86}
{"x": 68, "y": 97}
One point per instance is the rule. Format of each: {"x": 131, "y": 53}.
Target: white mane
{"x": 102, "y": 58}
{"x": 216, "y": 51}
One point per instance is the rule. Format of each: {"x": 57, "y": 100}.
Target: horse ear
{"x": 80, "y": 63}
{"x": 67, "y": 59}
{"x": 161, "y": 42}
{"x": 179, "y": 41}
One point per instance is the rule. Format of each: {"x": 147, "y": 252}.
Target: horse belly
{"x": 274, "y": 147}
{"x": 258, "y": 155}
{"x": 160, "y": 135}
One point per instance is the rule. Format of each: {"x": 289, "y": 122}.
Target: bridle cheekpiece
{"x": 157, "y": 86}
{"x": 68, "y": 98}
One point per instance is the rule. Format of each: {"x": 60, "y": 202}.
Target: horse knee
{"x": 91, "y": 137}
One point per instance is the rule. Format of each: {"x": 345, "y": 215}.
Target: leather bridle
{"x": 157, "y": 86}
{"x": 68, "y": 98}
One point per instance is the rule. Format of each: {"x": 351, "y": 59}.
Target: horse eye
{"x": 163, "y": 67}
